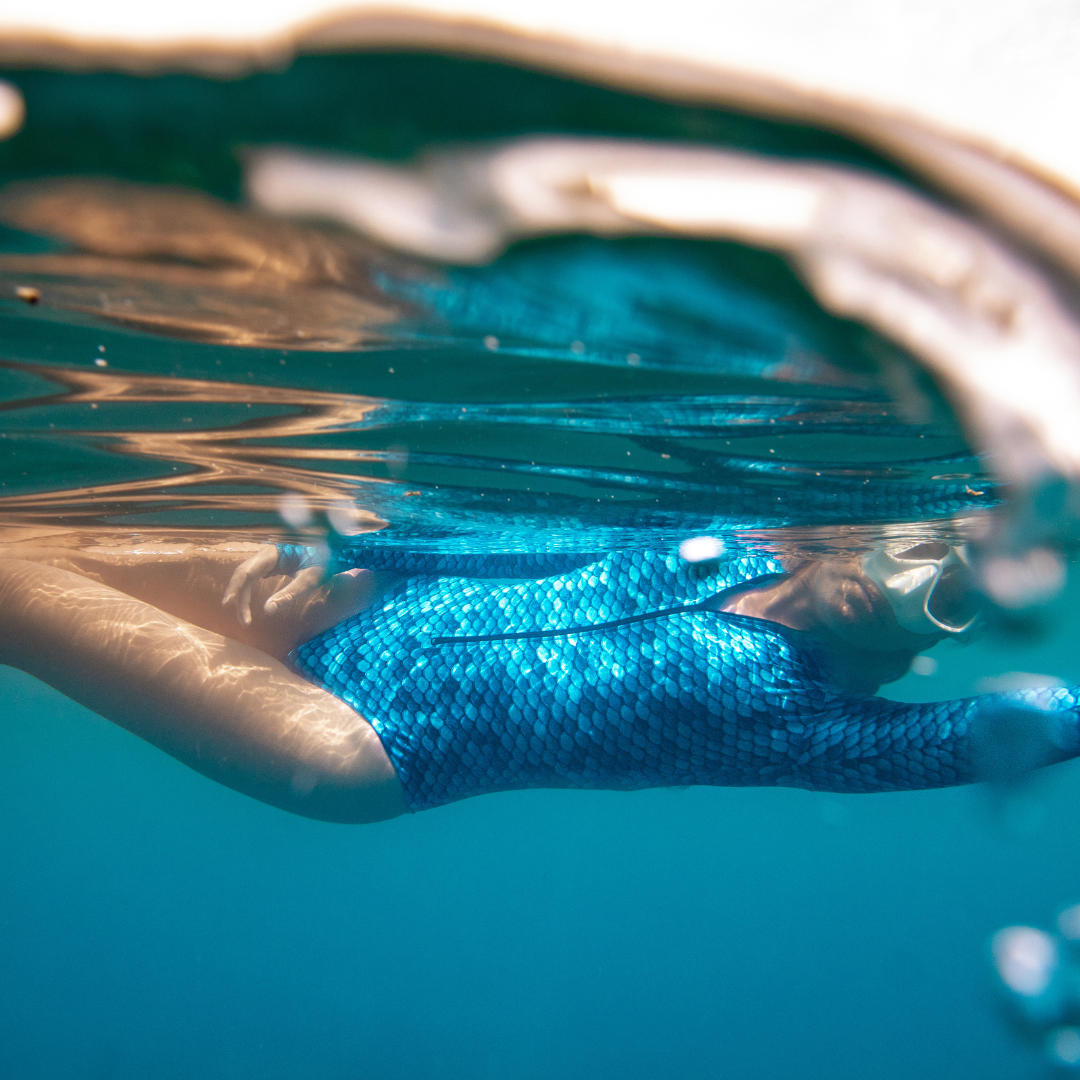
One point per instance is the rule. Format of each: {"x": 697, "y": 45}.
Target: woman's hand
{"x": 264, "y": 564}
{"x": 300, "y": 607}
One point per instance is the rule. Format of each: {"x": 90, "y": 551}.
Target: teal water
{"x": 156, "y": 924}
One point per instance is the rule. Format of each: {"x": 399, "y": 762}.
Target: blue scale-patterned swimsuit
{"x": 607, "y": 672}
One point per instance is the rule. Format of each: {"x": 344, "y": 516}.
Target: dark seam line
{"x": 572, "y": 630}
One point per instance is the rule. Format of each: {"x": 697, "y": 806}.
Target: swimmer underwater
{"x": 390, "y": 682}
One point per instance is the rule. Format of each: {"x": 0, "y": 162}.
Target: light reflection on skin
{"x": 225, "y": 708}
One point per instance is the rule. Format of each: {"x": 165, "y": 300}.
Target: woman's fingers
{"x": 238, "y": 591}
{"x": 305, "y": 581}
{"x": 244, "y": 603}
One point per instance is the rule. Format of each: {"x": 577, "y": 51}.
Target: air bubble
{"x": 1025, "y": 958}
{"x": 1068, "y": 923}
{"x": 1064, "y": 1046}
{"x": 701, "y": 548}
{"x": 344, "y": 519}
{"x": 295, "y": 510}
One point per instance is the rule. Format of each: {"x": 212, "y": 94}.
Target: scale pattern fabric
{"x": 612, "y": 675}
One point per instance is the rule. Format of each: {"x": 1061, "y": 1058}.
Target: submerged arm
{"x": 871, "y": 744}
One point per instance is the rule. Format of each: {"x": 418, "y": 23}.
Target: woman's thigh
{"x": 223, "y": 707}
{"x": 186, "y": 577}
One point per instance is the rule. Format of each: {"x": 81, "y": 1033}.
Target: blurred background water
{"x": 157, "y": 924}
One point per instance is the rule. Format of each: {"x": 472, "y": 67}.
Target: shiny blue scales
{"x": 612, "y": 675}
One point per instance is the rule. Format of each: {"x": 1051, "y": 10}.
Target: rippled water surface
{"x": 176, "y": 369}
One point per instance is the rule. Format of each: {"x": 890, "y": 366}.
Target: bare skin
{"x": 845, "y": 611}
{"x": 190, "y": 580}
{"x": 227, "y": 707}
{"x": 183, "y": 644}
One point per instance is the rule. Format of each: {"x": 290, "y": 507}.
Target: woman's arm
{"x": 223, "y": 707}
{"x": 852, "y": 623}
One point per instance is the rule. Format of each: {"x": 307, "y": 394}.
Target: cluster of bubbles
{"x": 1039, "y": 973}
